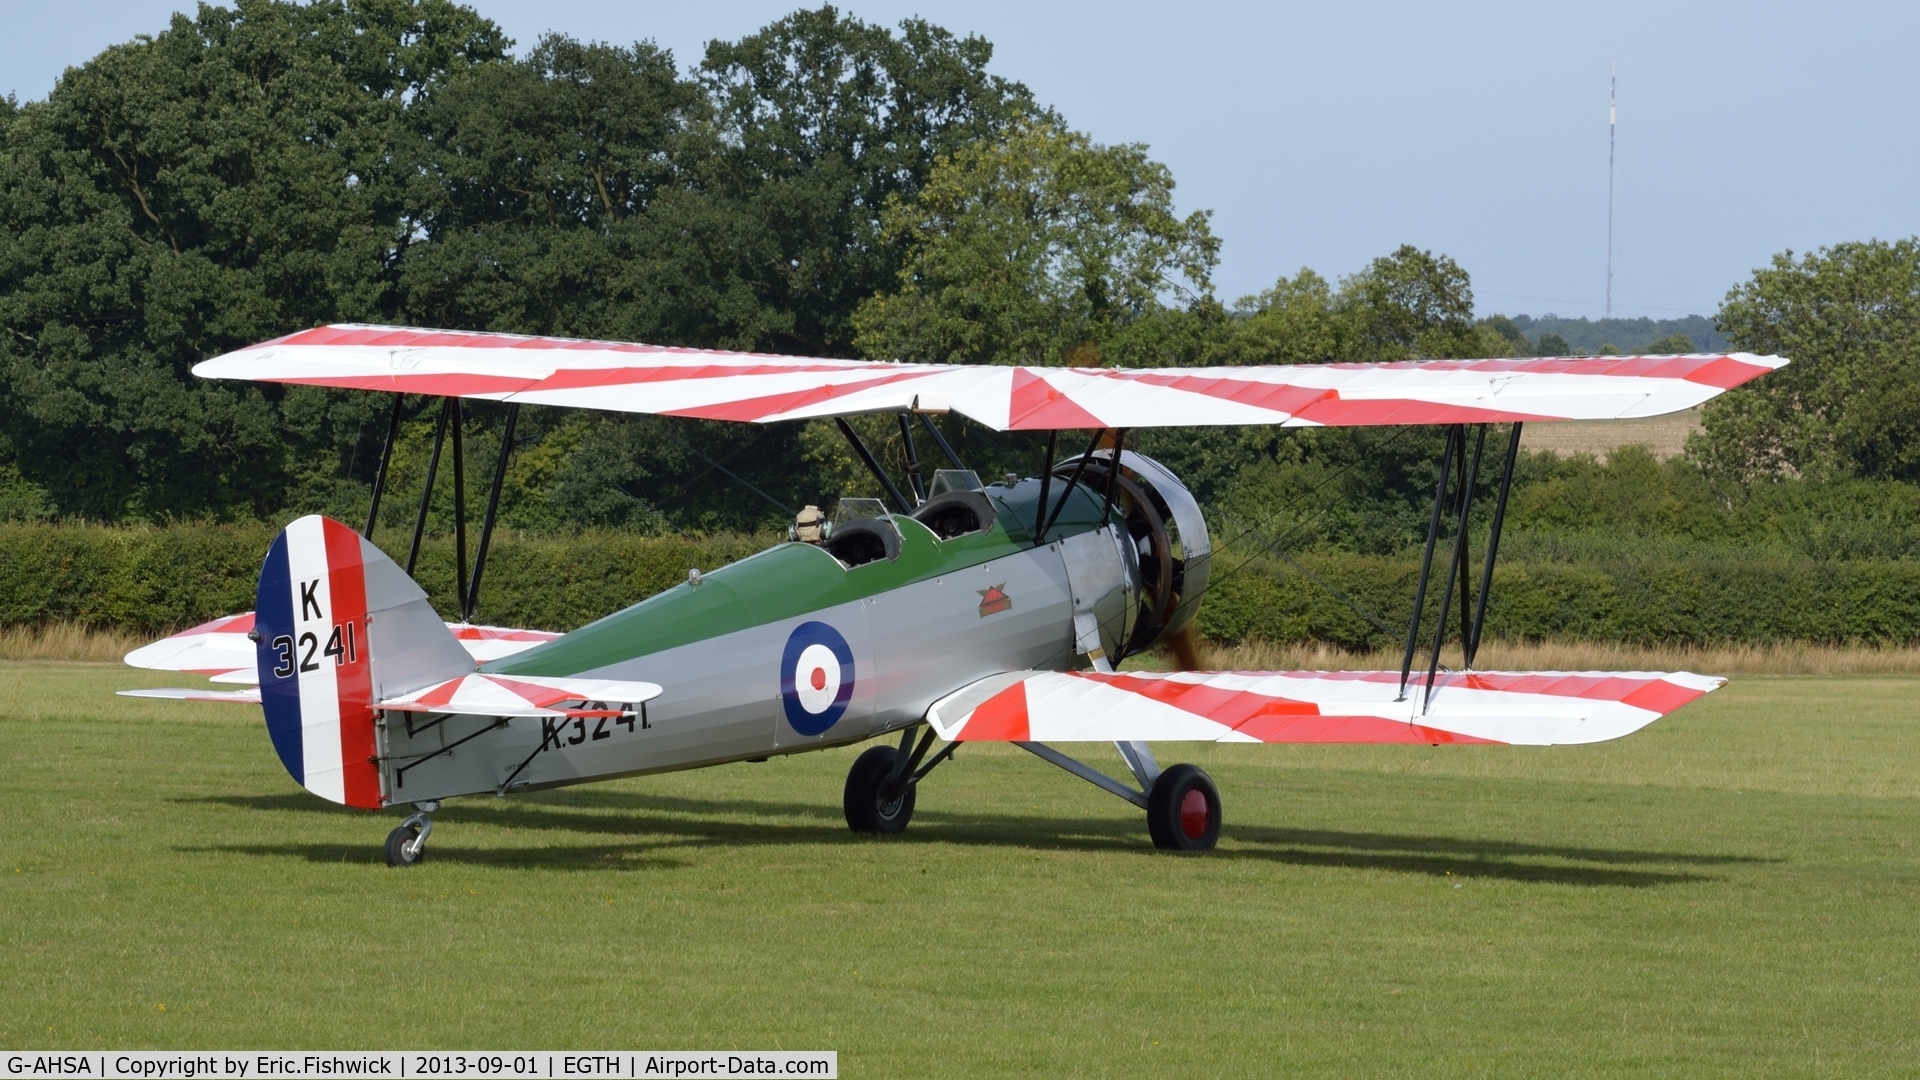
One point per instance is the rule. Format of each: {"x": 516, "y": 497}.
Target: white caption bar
{"x": 417, "y": 1064}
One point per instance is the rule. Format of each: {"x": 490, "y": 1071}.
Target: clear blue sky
{"x": 1323, "y": 134}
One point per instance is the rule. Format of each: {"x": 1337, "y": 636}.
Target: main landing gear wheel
{"x": 871, "y": 808}
{"x": 1183, "y": 810}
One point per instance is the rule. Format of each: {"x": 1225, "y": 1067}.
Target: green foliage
{"x": 1040, "y": 247}
{"x": 1371, "y": 492}
{"x": 230, "y": 179}
{"x": 1409, "y": 304}
{"x": 1630, "y": 335}
{"x": 156, "y": 580}
{"x": 1642, "y": 601}
{"x": 821, "y": 184}
{"x": 824, "y": 120}
{"x": 1848, "y": 317}
{"x": 265, "y": 168}
{"x": 1628, "y": 549}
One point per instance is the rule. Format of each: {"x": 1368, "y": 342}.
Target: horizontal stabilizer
{"x": 479, "y": 695}
{"x": 1539, "y": 708}
{"x": 222, "y": 651}
{"x": 526, "y": 695}
{"x": 625, "y": 377}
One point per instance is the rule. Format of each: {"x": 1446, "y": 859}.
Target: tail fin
{"x": 338, "y": 627}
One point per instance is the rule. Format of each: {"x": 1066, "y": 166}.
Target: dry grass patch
{"x": 70, "y": 642}
{"x": 1663, "y": 436}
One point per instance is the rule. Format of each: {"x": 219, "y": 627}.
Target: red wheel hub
{"x": 1193, "y": 814}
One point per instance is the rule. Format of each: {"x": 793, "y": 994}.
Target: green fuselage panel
{"x": 794, "y": 579}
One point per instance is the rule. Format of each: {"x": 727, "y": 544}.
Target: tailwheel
{"x": 1183, "y": 810}
{"x": 404, "y": 847}
{"x": 873, "y": 804}
{"x": 407, "y": 844}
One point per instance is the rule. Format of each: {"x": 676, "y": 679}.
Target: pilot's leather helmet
{"x": 809, "y": 526}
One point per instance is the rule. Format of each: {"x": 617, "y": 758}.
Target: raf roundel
{"x": 816, "y": 677}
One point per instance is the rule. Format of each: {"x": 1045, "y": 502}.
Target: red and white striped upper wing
{"x": 1520, "y": 708}
{"x": 624, "y": 377}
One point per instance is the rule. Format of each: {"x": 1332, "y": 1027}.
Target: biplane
{"x": 953, "y": 611}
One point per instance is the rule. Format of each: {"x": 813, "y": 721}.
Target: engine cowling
{"x": 1170, "y": 554}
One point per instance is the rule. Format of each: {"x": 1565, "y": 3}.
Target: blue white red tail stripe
{"x": 315, "y": 681}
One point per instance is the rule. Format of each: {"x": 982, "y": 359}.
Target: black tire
{"x": 1183, "y": 810}
{"x": 398, "y": 848}
{"x": 868, "y": 810}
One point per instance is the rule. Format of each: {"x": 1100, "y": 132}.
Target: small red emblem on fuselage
{"x": 993, "y": 600}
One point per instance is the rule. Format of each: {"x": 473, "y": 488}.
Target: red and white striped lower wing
{"x": 1518, "y": 708}
{"x": 526, "y": 695}
{"x": 627, "y": 377}
{"x": 485, "y": 643}
{"x": 250, "y": 696}
{"x": 219, "y": 649}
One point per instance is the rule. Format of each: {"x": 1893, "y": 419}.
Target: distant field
{"x": 1732, "y": 892}
{"x": 1665, "y": 436}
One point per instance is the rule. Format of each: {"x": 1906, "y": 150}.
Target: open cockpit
{"x": 861, "y": 531}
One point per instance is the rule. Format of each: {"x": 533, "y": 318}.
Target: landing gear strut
{"x": 407, "y": 844}
{"x": 1182, "y": 805}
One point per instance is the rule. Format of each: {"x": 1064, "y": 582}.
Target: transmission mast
{"x": 1612, "y": 80}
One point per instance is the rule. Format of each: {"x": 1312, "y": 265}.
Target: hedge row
{"x": 160, "y": 579}
{"x": 1701, "y": 601}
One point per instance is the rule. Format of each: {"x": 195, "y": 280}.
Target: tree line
{"x": 823, "y": 186}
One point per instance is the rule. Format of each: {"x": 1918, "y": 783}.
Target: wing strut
{"x": 459, "y": 509}
{"x": 386, "y": 457}
{"x": 913, "y": 460}
{"x": 1073, "y": 481}
{"x": 1113, "y": 474}
{"x": 1046, "y": 480}
{"x": 1468, "y": 475}
{"x": 466, "y": 587}
{"x": 1493, "y": 547}
{"x": 426, "y": 491}
{"x": 1426, "y": 558}
{"x": 1459, "y": 474}
{"x": 940, "y": 441}
{"x": 470, "y": 603}
{"x": 880, "y": 474}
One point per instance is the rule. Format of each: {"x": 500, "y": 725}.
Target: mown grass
{"x": 1731, "y": 892}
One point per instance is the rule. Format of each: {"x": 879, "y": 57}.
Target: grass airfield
{"x": 1734, "y": 891}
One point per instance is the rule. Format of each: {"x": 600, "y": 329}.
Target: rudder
{"x": 323, "y": 590}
